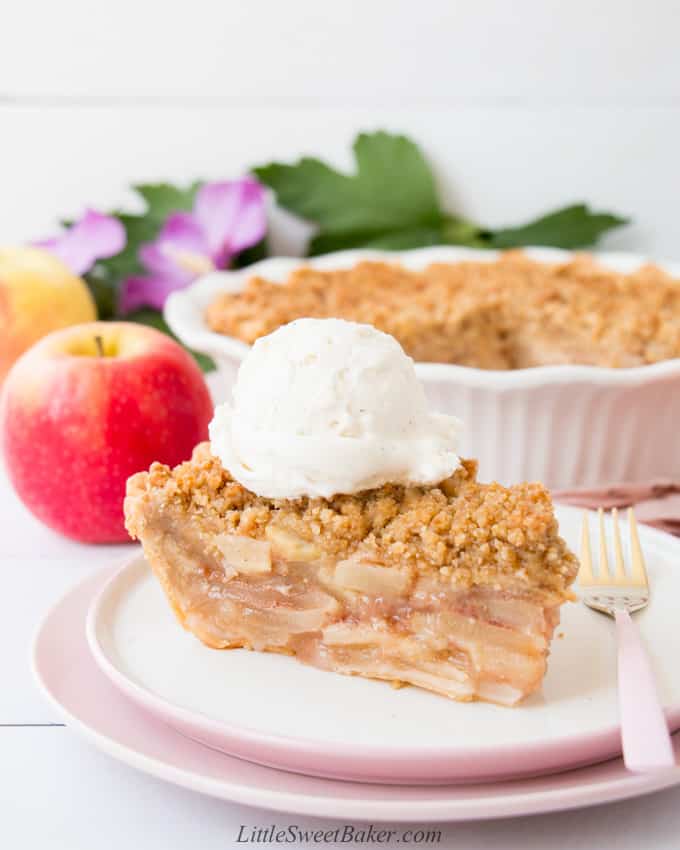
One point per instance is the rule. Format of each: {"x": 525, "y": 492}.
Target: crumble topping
{"x": 467, "y": 532}
{"x": 511, "y": 313}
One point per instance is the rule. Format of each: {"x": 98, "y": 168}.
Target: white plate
{"x": 273, "y": 710}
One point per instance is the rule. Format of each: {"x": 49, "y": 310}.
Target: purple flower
{"x": 93, "y": 237}
{"x": 227, "y": 218}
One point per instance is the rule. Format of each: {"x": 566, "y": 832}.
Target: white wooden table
{"x": 57, "y": 791}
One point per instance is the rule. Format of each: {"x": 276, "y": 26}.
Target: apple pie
{"x": 511, "y": 313}
{"x": 455, "y": 588}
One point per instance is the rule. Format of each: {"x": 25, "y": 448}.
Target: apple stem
{"x": 98, "y": 341}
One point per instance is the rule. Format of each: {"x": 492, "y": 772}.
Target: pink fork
{"x": 646, "y": 742}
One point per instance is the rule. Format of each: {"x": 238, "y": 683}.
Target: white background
{"x": 521, "y": 106}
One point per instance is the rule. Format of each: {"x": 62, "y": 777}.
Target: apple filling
{"x": 356, "y": 617}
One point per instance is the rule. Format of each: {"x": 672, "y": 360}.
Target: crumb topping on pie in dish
{"x": 510, "y": 313}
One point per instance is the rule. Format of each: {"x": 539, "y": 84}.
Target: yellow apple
{"x": 38, "y": 294}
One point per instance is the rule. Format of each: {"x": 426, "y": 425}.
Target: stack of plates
{"x": 264, "y": 730}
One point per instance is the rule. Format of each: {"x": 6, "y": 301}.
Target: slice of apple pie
{"x": 455, "y": 588}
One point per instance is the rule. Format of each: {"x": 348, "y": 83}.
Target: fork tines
{"x": 605, "y": 576}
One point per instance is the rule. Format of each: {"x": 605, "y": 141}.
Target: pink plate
{"x": 274, "y": 711}
{"x": 73, "y": 683}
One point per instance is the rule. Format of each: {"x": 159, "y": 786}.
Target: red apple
{"x": 88, "y": 406}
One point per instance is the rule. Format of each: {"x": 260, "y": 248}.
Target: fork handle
{"x": 646, "y": 741}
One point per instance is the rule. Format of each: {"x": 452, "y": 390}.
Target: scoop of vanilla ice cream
{"x": 325, "y": 406}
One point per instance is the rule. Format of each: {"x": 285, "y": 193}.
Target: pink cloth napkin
{"x": 656, "y": 504}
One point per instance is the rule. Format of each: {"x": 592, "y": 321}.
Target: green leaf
{"x": 155, "y": 320}
{"x": 450, "y": 231}
{"x": 390, "y": 202}
{"x": 460, "y": 231}
{"x": 164, "y": 198}
{"x": 571, "y": 227}
{"x": 397, "y": 240}
{"x": 104, "y": 290}
{"x": 391, "y": 199}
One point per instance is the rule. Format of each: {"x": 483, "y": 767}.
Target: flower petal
{"x": 181, "y": 234}
{"x": 233, "y": 216}
{"x": 93, "y": 237}
{"x": 138, "y": 292}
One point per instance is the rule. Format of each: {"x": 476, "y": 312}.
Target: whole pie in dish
{"x": 455, "y": 587}
{"x": 511, "y": 313}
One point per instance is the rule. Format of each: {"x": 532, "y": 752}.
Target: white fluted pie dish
{"x": 567, "y": 426}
